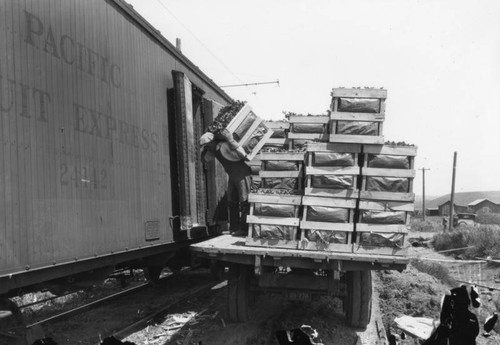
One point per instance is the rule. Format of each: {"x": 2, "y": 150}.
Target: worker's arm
{"x": 234, "y": 144}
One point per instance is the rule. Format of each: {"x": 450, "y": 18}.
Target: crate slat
{"x": 282, "y": 156}
{"x": 281, "y": 173}
{"x": 332, "y": 170}
{"x": 387, "y": 196}
{"x": 325, "y": 247}
{"x": 365, "y": 117}
{"x": 308, "y": 136}
{"x": 328, "y": 202}
{"x": 381, "y": 172}
{"x": 310, "y": 225}
{"x": 309, "y": 119}
{"x": 359, "y": 139}
{"x": 331, "y": 193}
{"x": 251, "y": 219}
{"x": 390, "y": 150}
{"x": 382, "y": 228}
{"x": 334, "y": 147}
{"x": 275, "y": 199}
{"x": 359, "y": 93}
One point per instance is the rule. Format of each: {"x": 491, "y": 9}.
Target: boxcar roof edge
{"x": 151, "y": 30}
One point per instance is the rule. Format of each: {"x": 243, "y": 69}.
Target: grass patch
{"x": 434, "y": 269}
{"x": 484, "y": 241}
{"x": 431, "y": 224}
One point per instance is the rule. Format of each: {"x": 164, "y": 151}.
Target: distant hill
{"x": 465, "y": 198}
{"x": 428, "y": 199}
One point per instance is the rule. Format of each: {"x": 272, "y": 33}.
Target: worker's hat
{"x": 206, "y": 138}
{"x": 229, "y": 153}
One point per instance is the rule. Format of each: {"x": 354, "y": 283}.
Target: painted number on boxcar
{"x": 83, "y": 176}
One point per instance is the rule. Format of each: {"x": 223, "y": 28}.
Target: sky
{"x": 439, "y": 61}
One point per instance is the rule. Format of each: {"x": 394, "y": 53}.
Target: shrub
{"x": 484, "y": 241}
{"x": 431, "y": 224}
{"x": 434, "y": 269}
{"x": 489, "y": 218}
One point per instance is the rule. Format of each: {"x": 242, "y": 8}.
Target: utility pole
{"x": 452, "y": 199}
{"x": 423, "y": 191}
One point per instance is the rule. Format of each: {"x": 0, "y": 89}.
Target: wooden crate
{"x": 346, "y": 228}
{"x": 252, "y": 220}
{"x": 297, "y": 157}
{"x": 312, "y": 170}
{"x": 257, "y": 126}
{"x": 366, "y": 171}
{"x": 383, "y": 229}
{"x": 275, "y": 141}
{"x": 377, "y": 118}
{"x": 312, "y": 120}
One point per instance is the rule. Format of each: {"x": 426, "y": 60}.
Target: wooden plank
{"x": 282, "y": 156}
{"x": 309, "y": 225}
{"x": 276, "y": 141}
{"x": 381, "y": 172}
{"x": 370, "y": 250}
{"x": 389, "y": 206}
{"x": 277, "y": 124}
{"x": 257, "y": 147}
{"x": 251, "y": 219}
{"x": 390, "y": 150}
{"x": 387, "y": 196}
{"x": 308, "y": 136}
{"x": 334, "y": 147}
{"x": 328, "y": 202}
{"x": 359, "y": 93}
{"x": 227, "y": 244}
{"x": 382, "y": 228}
{"x": 309, "y": 119}
{"x": 275, "y": 199}
{"x": 346, "y": 116}
{"x": 238, "y": 118}
{"x": 359, "y": 139}
{"x": 282, "y": 173}
{"x": 332, "y": 193}
{"x": 259, "y": 242}
{"x": 328, "y": 247}
{"x": 332, "y": 170}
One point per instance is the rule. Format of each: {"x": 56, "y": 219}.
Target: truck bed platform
{"x": 233, "y": 249}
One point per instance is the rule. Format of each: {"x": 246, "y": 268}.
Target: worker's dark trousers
{"x": 238, "y": 215}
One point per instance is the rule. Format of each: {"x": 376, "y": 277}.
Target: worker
{"x": 232, "y": 157}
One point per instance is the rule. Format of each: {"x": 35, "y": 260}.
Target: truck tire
{"x": 358, "y": 306}
{"x": 238, "y": 293}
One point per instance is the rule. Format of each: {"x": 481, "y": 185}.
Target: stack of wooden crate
{"x": 386, "y": 199}
{"x": 304, "y": 129}
{"x": 274, "y": 208}
{"x": 330, "y": 196}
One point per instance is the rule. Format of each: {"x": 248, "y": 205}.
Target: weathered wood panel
{"x": 85, "y": 153}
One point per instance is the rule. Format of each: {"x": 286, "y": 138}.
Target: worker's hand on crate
{"x": 229, "y": 138}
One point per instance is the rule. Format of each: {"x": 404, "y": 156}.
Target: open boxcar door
{"x": 189, "y": 187}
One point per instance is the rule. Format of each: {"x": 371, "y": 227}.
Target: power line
{"x": 259, "y": 83}
{"x": 199, "y": 41}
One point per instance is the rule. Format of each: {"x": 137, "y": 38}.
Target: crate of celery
{"x": 249, "y": 130}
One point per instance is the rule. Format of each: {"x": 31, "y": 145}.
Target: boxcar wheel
{"x": 13, "y": 327}
{"x": 358, "y": 302}
{"x": 238, "y": 293}
{"x": 152, "y": 273}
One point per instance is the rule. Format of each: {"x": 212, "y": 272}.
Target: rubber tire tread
{"x": 359, "y": 298}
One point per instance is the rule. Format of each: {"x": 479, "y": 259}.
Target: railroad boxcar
{"x": 100, "y": 117}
